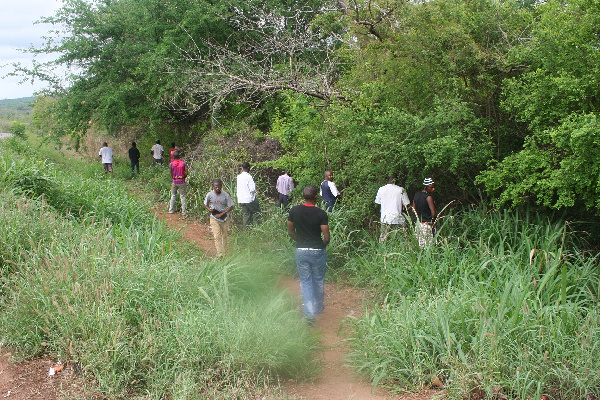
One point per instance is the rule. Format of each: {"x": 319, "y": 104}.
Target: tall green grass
{"x": 142, "y": 315}
{"x": 504, "y": 306}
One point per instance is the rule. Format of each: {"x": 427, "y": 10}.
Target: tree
{"x": 270, "y": 51}
{"x": 558, "y": 98}
{"x": 17, "y": 128}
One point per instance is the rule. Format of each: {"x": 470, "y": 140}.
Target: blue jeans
{"x": 311, "y": 270}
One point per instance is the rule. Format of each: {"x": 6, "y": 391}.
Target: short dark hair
{"x": 176, "y": 155}
{"x": 217, "y": 181}
{"x": 246, "y": 165}
{"x": 309, "y": 192}
{"x": 133, "y": 144}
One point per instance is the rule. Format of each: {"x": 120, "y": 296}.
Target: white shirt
{"x": 107, "y": 155}
{"x": 245, "y": 188}
{"x": 157, "y": 151}
{"x": 392, "y": 199}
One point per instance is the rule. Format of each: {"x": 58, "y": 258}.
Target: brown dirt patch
{"x": 29, "y": 380}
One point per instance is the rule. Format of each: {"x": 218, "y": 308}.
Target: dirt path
{"x": 30, "y": 380}
{"x": 336, "y": 381}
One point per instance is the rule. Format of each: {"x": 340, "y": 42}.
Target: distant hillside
{"x": 15, "y": 110}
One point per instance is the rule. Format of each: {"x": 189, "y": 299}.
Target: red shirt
{"x": 178, "y": 171}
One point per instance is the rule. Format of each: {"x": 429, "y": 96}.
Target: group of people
{"x": 307, "y": 224}
{"x": 393, "y": 200}
{"x": 106, "y": 154}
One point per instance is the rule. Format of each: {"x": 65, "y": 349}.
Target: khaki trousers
{"x": 220, "y": 231}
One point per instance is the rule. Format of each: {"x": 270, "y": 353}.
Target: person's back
{"x": 178, "y": 171}
{"x": 392, "y": 199}
{"x": 307, "y": 221}
{"x": 422, "y": 206}
{"x": 307, "y": 225}
{"x": 107, "y": 154}
{"x": 134, "y": 153}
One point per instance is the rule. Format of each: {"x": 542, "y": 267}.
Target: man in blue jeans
{"x": 308, "y": 226}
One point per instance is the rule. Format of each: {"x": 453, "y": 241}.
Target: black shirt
{"x": 307, "y": 221}
{"x": 134, "y": 154}
{"x": 422, "y": 207}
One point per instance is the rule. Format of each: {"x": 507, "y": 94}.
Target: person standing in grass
{"x": 246, "y": 196}
{"x": 134, "y": 157}
{"x": 157, "y": 152}
{"x": 392, "y": 199}
{"x": 178, "y": 173}
{"x": 219, "y": 203}
{"x": 329, "y": 191}
{"x": 106, "y": 154}
{"x": 425, "y": 209}
{"x": 284, "y": 186}
{"x": 308, "y": 226}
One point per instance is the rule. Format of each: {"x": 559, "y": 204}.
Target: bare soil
{"x": 29, "y": 380}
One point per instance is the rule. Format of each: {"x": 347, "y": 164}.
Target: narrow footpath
{"x": 336, "y": 380}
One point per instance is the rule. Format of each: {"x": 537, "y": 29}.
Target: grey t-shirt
{"x": 218, "y": 202}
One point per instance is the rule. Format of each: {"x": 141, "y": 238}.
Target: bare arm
{"x": 291, "y": 230}
{"x": 224, "y": 212}
{"x": 326, "y": 235}
{"x": 431, "y": 206}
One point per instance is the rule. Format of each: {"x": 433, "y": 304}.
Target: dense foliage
{"x": 481, "y": 94}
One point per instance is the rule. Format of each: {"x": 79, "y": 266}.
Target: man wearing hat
{"x": 425, "y": 209}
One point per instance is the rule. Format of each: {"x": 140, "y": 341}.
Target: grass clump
{"x": 504, "y": 306}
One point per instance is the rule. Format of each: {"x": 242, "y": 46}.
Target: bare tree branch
{"x": 270, "y": 53}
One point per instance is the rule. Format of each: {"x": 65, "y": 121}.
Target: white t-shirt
{"x": 107, "y": 155}
{"x": 157, "y": 151}
{"x": 245, "y": 188}
{"x": 392, "y": 199}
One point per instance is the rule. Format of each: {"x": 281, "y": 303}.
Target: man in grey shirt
{"x": 219, "y": 203}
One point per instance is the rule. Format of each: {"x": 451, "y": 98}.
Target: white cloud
{"x": 19, "y": 31}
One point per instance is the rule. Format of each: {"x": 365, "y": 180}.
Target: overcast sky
{"x": 18, "y": 31}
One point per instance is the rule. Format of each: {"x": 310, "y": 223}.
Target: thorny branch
{"x": 276, "y": 52}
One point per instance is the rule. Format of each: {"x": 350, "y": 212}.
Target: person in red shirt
{"x": 178, "y": 173}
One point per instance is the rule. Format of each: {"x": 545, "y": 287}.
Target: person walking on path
{"x": 425, "y": 209}
{"x": 308, "y": 226}
{"x": 284, "y": 186}
{"x": 392, "y": 199}
{"x": 157, "y": 152}
{"x": 178, "y": 174}
{"x": 134, "y": 157}
{"x": 219, "y": 204}
{"x": 106, "y": 154}
{"x": 246, "y": 197}
{"x": 329, "y": 191}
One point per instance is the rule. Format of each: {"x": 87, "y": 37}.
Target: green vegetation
{"x": 495, "y": 98}
{"x": 16, "y": 115}
{"x": 505, "y": 305}
{"x": 91, "y": 278}
{"x": 498, "y": 101}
